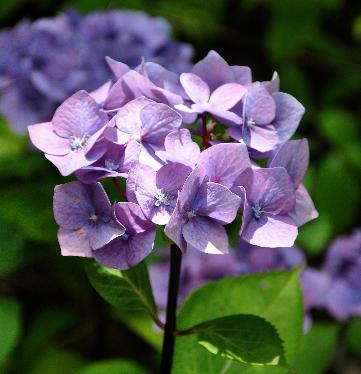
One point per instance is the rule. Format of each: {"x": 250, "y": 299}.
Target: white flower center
{"x": 110, "y": 165}
{"x": 161, "y": 198}
{"x": 137, "y": 137}
{"x": 257, "y": 210}
{"x": 76, "y": 142}
{"x": 251, "y": 122}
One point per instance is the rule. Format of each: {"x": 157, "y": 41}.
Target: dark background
{"x": 315, "y": 48}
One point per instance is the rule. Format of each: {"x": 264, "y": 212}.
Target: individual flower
{"x": 85, "y": 217}
{"x": 268, "y": 198}
{"x": 136, "y": 242}
{"x": 156, "y": 192}
{"x": 202, "y": 209}
{"x": 218, "y": 103}
{"x": 117, "y": 161}
{"x": 294, "y": 156}
{"x": 144, "y": 123}
{"x": 45, "y": 61}
{"x": 68, "y": 139}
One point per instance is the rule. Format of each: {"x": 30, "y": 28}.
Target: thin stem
{"x": 119, "y": 188}
{"x": 205, "y": 134}
{"x": 170, "y": 324}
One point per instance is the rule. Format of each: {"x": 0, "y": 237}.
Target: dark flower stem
{"x": 119, "y": 189}
{"x": 205, "y": 132}
{"x": 170, "y": 324}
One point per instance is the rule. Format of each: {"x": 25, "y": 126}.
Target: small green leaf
{"x": 112, "y": 367}
{"x": 274, "y": 296}
{"x": 246, "y": 338}
{"x": 127, "y": 290}
{"x": 10, "y": 327}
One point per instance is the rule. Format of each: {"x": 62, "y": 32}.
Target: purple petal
{"x": 79, "y": 115}
{"x": 214, "y": 70}
{"x": 173, "y": 229}
{"x": 217, "y": 202}
{"x": 74, "y": 243}
{"x": 179, "y": 147}
{"x": 273, "y": 85}
{"x": 270, "y": 231}
{"x": 224, "y": 116}
{"x": 195, "y": 88}
{"x": 294, "y": 157}
{"x": 158, "y": 120}
{"x": 121, "y": 254}
{"x": 260, "y": 138}
{"x": 273, "y": 189}
{"x": 288, "y": 115}
{"x": 242, "y": 74}
{"x": 101, "y": 93}
{"x": 44, "y": 138}
{"x": 227, "y": 96}
{"x": 225, "y": 162}
{"x": 259, "y": 105}
{"x": 205, "y": 235}
{"x": 304, "y": 210}
{"x": 102, "y": 233}
{"x": 118, "y": 68}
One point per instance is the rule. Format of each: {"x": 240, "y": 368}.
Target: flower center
{"x": 161, "y": 198}
{"x": 93, "y": 217}
{"x": 110, "y": 165}
{"x": 257, "y": 210}
{"x": 251, "y": 122}
{"x": 125, "y": 236}
{"x": 76, "y": 142}
{"x": 137, "y": 137}
{"x": 190, "y": 214}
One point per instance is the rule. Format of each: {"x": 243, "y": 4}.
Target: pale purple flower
{"x": 269, "y": 119}
{"x": 85, "y": 217}
{"x": 134, "y": 245}
{"x": 218, "y": 102}
{"x": 268, "y": 198}
{"x": 202, "y": 209}
{"x": 157, "y": 191}
{"x": 117, "y": 161}
{"x": 144, "y": 123}
{"x": 294, "y": 156}
{"x": 68, "y": 139}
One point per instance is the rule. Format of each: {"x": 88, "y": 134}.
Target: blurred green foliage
{"x": 51, "y": 320}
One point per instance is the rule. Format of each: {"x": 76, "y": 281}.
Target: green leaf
{"x": 127, "y": 290}
{"x": 112, "y": 367}
{"x": 317, "y": 348}
{"x": 274, "y": 296}
{"x": 10, "y": 327}
{"x": 353, "y": 336}
{"x": 246, "y": 338}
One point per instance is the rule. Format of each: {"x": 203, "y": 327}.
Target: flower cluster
{"x": 143, "y": 129}
{"x": 336, "y": 287}
{"x": 44, "y": 62}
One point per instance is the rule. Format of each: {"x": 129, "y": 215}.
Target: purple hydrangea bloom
{"x": 157, "y": 191}
{"x": 218, "y": 102}
{"x": 136, "y": 242}
{"x": 85, "y": 217}
{"x": 144, "y": 123}
{"x": 68, "y": 139}
{"x": 44, "y": 62}
{"x": 268, "y": 197}
{"x": 294, "y": 156}
{"x": 202, "y": 209}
